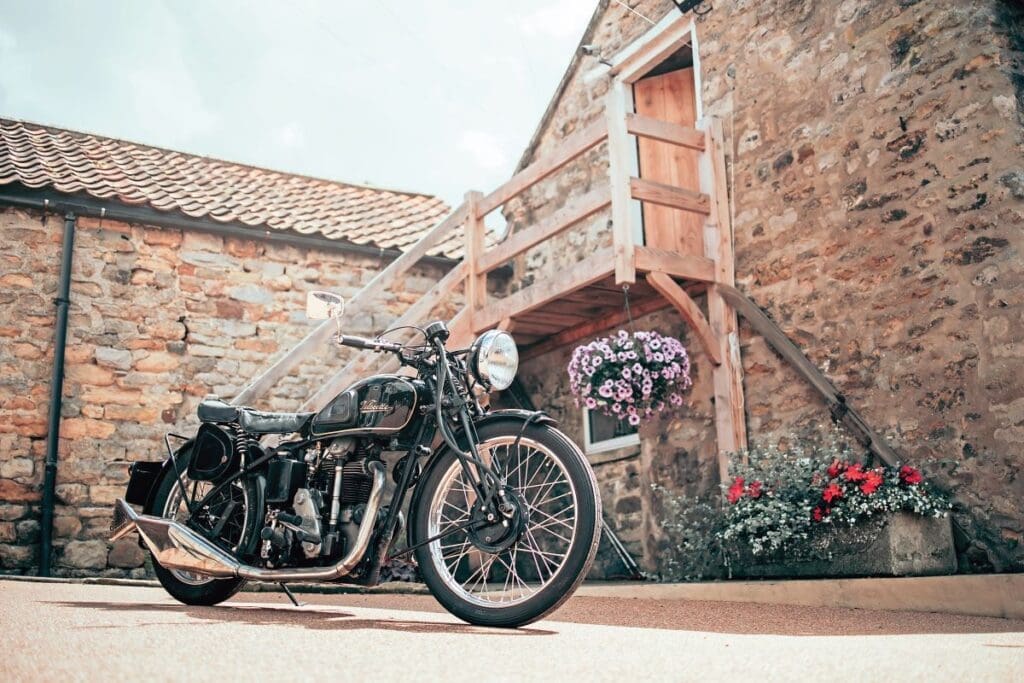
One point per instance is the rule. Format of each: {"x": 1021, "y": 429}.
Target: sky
{"x": 436, "y": 96}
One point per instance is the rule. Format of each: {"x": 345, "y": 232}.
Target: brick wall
{"x": 878, "y": 199}
{"x": 159, "y": 318}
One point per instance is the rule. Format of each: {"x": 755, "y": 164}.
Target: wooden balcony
{"x": 569, "y": 305}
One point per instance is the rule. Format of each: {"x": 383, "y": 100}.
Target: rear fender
{"x": 145, "y": 476}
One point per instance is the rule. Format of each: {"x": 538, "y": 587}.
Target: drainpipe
{"x": 56, "y": 395}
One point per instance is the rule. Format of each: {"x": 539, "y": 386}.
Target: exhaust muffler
{"x": 175, "y": 546}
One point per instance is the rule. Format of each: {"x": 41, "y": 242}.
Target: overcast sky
{"x": 435, "y": 96}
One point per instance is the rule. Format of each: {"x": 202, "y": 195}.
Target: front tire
{"x": 519, "y": 582}
{"x": 188, "y": 587}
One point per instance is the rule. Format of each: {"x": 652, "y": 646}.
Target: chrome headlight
{"x": 494, "y": 359}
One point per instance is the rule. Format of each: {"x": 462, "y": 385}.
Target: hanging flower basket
{"x": 630, "y": 376}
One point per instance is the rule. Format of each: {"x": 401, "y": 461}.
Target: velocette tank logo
{"x": 374, "y": 406}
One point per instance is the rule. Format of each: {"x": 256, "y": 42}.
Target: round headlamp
{"x": 494, "y": 359}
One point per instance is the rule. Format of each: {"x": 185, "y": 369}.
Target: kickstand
{"x": 291, "y": 596}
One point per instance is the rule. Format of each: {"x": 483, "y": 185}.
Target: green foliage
{"x": 783, "y": 503}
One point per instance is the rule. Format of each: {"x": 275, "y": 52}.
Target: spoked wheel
{"x": 228, "y": 517}
{"x": 513, "y": 568}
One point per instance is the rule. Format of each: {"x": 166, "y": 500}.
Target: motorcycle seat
{"x": 258, "y": 422}
{"x": 212, "y": 409}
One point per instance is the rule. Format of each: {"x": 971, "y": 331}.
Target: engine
{"x": 316, "y": 501}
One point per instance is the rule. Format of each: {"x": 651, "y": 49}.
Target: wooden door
{"x": 670, "y": 97}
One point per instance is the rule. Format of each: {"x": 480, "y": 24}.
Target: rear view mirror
{"x": 324, "y": 305}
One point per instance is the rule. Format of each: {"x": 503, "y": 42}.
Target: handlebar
{"x": 369, "y": 344}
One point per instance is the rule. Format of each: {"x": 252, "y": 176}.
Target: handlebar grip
{"x": 368, "y": 344}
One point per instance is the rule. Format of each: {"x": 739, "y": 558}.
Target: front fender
{"x": 513, "y": 415}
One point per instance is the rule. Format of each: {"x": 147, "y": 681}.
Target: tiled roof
{"x": 69, "y": 162}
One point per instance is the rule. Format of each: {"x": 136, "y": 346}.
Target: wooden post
{"x": 617, "y": 105}
{"x": 476, "y": 280}
{"x": 730, "y": 415}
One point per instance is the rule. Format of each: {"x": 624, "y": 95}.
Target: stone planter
{"x": 898, "y": 545}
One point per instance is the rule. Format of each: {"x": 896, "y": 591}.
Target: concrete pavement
{"x": 52, "y": 632}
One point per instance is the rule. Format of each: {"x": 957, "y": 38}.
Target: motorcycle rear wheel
{"x": 526, "y": 574}
{"x": 197, "y": 589}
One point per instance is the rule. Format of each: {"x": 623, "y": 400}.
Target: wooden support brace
{"x": 691, "y": 313}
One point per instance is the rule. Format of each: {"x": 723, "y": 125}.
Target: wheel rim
{"x": 523, "y": 570}
{"x": 233, "y": 531}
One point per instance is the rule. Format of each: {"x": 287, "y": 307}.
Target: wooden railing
{"x": 622, "y": 259}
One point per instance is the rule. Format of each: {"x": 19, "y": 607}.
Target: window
{"x": 603, "y": 433}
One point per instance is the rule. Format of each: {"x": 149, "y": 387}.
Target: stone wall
{"x": 159, "y": 318}
{"x": 878, "y": 189}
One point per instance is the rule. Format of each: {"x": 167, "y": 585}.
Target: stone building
{"x": 875, "y": 186}
{"x": 189, "y": 274}
{"x": 877, "y": 180}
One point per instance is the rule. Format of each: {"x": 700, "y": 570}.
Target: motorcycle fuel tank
{"x": 378, "y": 405}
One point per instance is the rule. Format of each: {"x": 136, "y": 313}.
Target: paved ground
{"x": 51, "y": 632}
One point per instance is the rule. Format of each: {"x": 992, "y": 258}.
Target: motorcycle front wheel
{"x": 514, "y": 574}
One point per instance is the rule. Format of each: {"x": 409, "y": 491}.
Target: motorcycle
{"x": 503, "y": 518}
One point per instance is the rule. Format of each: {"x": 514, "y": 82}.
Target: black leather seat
{"x": 257, "y": 422}
{"x": 213, "y": 409}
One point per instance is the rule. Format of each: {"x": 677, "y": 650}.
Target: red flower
{"x": 754, "y": 490}
{"x": 817, "y": 514}
{"x": 832, "y": 492}
{"x": 736, "y": 490}
{"x": 854, "y": 473}
{"x": 872, "y": 480}
{"x": 910, "y": 475}
{"x": 835, "y": 468}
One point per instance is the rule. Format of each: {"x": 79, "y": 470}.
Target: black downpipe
{"x": 56, "y": 395}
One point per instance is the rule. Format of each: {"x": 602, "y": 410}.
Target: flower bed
{"x": 805, "y": 508}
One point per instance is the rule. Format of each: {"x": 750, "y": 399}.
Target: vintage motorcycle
{"x": 504, "y": 510}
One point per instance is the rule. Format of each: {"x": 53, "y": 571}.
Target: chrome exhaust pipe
{"x": 175, "y": 546}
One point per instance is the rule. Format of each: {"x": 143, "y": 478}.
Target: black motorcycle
{"x": 504, "y": 514}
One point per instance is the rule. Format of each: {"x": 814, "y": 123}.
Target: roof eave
{"x": 48, "y": 199}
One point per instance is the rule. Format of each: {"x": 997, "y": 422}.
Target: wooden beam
{"x": 621, "y": 152}
{"x": 569, "y": 149}
{"x": 685, "y": 266}
{"x": 652, "y": 48}
{"x": 381, "y": 281}
{"x": 673, "y": 133}
{"x": 592, "y": 327}
{"x": 413, "y": 315}
{"x": 570, "y": 214}
{"x": 730, "y": 413}
{"x": 668, "y": 195}
{"x": 541, "y": 292}
{"x": 691, "y": 313}
{"x": 476, "y": 281}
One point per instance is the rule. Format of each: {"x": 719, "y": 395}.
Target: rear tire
{"x": 522, "y": 598}
{"x": 193, "y": 589}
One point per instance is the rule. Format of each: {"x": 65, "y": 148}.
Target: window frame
{"x": 591, "y": 447}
